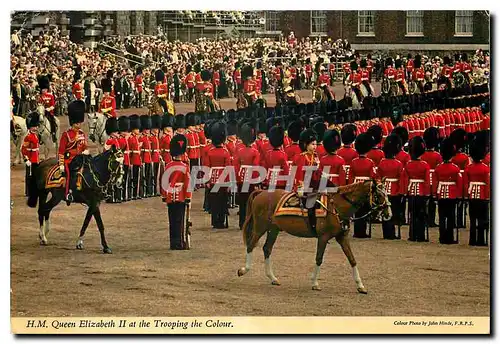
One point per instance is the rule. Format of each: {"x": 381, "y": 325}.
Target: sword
{"x": 188, "y": 225}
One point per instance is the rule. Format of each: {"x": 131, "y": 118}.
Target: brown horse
{"x": 341, "y": 206}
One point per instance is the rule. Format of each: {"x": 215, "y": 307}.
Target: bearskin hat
{"x": 123, "y": 124}
{"x": 376, "y": 132}
{"x": 464, "y": 57}
{"x": 106, "y": 85}
{"x": 402, "y": 132}
{"x": 261, "y": 126}
{"x": 447, "y": 149}
{"x": 206, "y": 129}
{"x": 431, "y": 137}
{"x": 179, "y": 122}
{"x": 188, "y": 68}
{"x": 483, "y": 137}
{"x": 417, "y": 63}
{"x": 138, "y": 71}
{"x": 109, "y": 74}
{"x": 364, "y": 143}
{"x": 145, "y": 122}
{"x": 190, "y": 119}
{"x": 218, "y": 133}
{"x": 408, "y": 56}
{"x": 258, "y": 65}
{"x": 459, "y": 138}
{"x": 446, "y": 60}
{"x": 416, "y": 147}
{"x": 232, "y": 127}
{"x": 111, "y": 125}
{"x": 398, "y": 63}
{"x": 197, "y": 68}
{"x": 237, "y": 65}
{"x": 247, "y": 134}
{"x": 319, "y": 128}
{"x": 348, "y": 133}
{"x": 159, "y": 75}
{"x": 167, "y": 121}
{"x": 276, "y": 136}
{"x": 33, "y": 120}
{"x": 306, "y": 137}
{"x": 178, "y": 145}
{"x": 156, "y": 122}
{"x": 331, "y": 141}
{"x": 477, "y": 150}
{"x": 353, "y": 65}
{"x": 363, "y": 63}
{"x": 135, "y": 122}
{"x": 294, "y": 130}
{"x": 78, "y": 74}
{"x": 457, "y": 57}
{"x": 246, "y": 72}
{"x": 392, "y": 146}
{"x": 206, "y": 75}
{"x": 76, "y": 112}
{"x": 308, "y": 60}
{"x": 43, "y": 82}
{"x": 388, "y": 62}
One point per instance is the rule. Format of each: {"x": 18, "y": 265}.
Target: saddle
{"x": 290, "y": 204}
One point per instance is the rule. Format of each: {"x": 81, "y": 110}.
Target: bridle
{"x": 115, "y": 174}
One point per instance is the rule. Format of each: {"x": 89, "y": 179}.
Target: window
{"x": 272, "y": 21}
{"x": 415, "y": 23}
{"x": 463, "y": 23}
{"x": 366, "y": 23}
{"x": 318, "y": 23}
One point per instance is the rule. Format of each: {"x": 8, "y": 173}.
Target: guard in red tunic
{"x": 262, "y": 141}
{"x": 448, "y": 190}
{"x": 237, "y": 79}
{"x": 258, "y": 78}
{"x": 161, "y": 90}
{"x": 77, "y": 88}
{"x": 135, "y": 156}
{"x": 49, "y": 102}
{"x": 400, "y": 76}
{"x": 362, "y": 169}
{"x": 320, "y": 128}
{"x": 176, "y": 192}
{"x": 193, "y": 147}
{"x": 476, "y": 182}
{"x": 418, "y": 73}
{"x": 108, "y": 103}
{"x": 189, "y": 81}
{"x": 73, "y": 142}
{"x": 331, "y": 166}
{"x": 348, "y": 134}
{"x": 146, "y": 169}
{"x": 249, "y": 87}
{"x": 293, "y": 149}
{"x": 433, "y": 158}
{"x": 245, "y": 159}
{"x": 31, "y": 151}
{"x": 410, "y": 66}
{"x": 459, "y": 139}
{"x": 111, "y": 128}
{"x": 389, "y": 172}
{"x": 308, "y": 71}
{"x": 278, "y": 74}
{"x": 365, "y": 76}
{"x": 375, "y": 154}
{"x": 155, "y": 153}
{"x": 217, "y": 159}
{"x": 415, "y": 182}
{"x": 275, "y": 160}
{"x": 167, "y": 134}
{"x": 216, "y": 80}
{"x": 139, "y": 87}
{"x": 124, "y": 131}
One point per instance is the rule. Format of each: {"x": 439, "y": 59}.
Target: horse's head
{"x": 379, "y": 201}
{"x": 93, "y": 122}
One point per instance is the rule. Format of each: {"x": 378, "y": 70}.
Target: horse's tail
{"x": 33, "y": 193}
{"x": 247, "y": 225}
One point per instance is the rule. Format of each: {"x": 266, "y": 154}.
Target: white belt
{"x": 391, "y": 180}
{"x": 193, "y": 147}
{"x": 441, "y": 184}
{"x": 329, "y": 175}
{"x": 246, "y": 166}
{"x": 165, "y": 150}
{"x": 134, "y": 151}
{"x": 416, "y": 181}
{"x": 361, "y": 179}
{"x": 155, "y": 150}
{"x": 33, "y": 149}
{"x": 145, "y": 150}
{"x": 472, "y": 184}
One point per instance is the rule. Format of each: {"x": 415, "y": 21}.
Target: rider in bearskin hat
{"x": 108, "y": 103}
{"x": 48, "y": 101}
{"x": 365, "y": 76}
{"x": 161, "y": 90}
{"x": 77, "y": 88}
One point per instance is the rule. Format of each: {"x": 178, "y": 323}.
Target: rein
{"x": 114, "y": 174}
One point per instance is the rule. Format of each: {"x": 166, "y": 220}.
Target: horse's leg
{"x": 251, "y": 227}
{"x": 100, "y": 225}
{"x": 344, "y": 243}
{"x": 272, "y": 235}
{"x": 54, "y": 200}
{"x": 320, "y": 251}
{"x": 42, "y": 198}
{"x": 86, "y": 221}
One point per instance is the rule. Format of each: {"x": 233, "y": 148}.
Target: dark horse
{"x": 340, "y": 207}
{"x": 96, "y": 177}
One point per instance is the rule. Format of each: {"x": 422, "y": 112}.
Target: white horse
{"x": 21, "y": 130}
{"x": 97, "y": 130}
{"x": 44, "y": 132}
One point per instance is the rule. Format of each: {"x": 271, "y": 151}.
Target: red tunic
{"x": 348, "y": 154}
{"x": 245, "y": 158}
{"x": 321, "y": 151}
{"x": 178, "y": 181}
{"x": 362, "y": 168}
{"x": 189, "y": 80}
{"x": 461, "y": 160}
{"x": 433, "y": 158}
{"x": 108, "y": 106}
{"x": 72, "y": 143}
{"x": 415, "y": 180}
{"x": 277, "y": 73}
{"x": 155, "y": 148}
{"x": 135, "y": 151}
{"x": 308, "y": 69}
{"x": 336, "y": 173}
{"x": 476, "y": 181}
{"x": 124, "y": 148}
{"x": 77, "y": 90}
{"x": 216, "y": 78}
{"x": 376, "y": 155}
{"x": 161, "y": 90}
{"x": 323, "y": 79}
{"x": 193, "y": 144}
{"x": 217, "y": 159}
{"x": 31, "y": 148}
{"x": 391, "y": 170}
{"x": 237, "y": 77}
{"x": 292, "y": 151}
{"x": 249, "y": 89}
{"x": 165, "y": 148}
{"x": 138, "y": 83}
{"x": 48, "y": 101}
{"x": 145, "y": 149}
{"x": 276, "y": 163}
{"x": 448, "y": 181}
{"x": 112, "y": 141}
{"x": 303, "y": 161}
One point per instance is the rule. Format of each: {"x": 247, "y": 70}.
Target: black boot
{"x": 69, "y": 198}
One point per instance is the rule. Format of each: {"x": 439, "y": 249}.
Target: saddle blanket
{"x": 289, "y": 204}
{"x": 56, "y": 180}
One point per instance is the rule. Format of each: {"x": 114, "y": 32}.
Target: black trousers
{"x": 402, "y": 210}
{"x": 447, "y": 220}
{"x": 145, "y": 185}
{"x": 30, "y": 180}
{"x": 360, "y": 225}
{"x": 154, "y": 184}
{"x": 192, "y": 163}
{"x": 134, "y": 181}
{"x": 402, "y": 87}
{"x": 190, "y": 94}
{"x": 418, "y": 216}
{"x": 389, "y": 227}
{"x": 138, "y": 99}
{"x": 460, "y": 214}
{"x": 368, "y": 88}
{"x": 479, "y": 222}
{"x": 125, "y": 196}
{"x": 218, "y": 208}
{"x": 206, "y": 201}
{"x": 118, "y": 98}
{"x": 176, "y": 215}
{"x": 432, "y": 213}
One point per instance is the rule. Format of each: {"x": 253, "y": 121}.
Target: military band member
{"x": 400, "y": 77}
{"x": 459, "y": 139}
{"x": 177, "y": 194}
{"x": 48, "y": 101}
{"x": 161, "y": 89}
{"x": 389, "y": 171}
{"x": 362, "y": 169}
{"x": 108, "y": 103}
{"x": 124, "y": 131}
{"x": 155, "y": 153}
{"x": 146, "y": 169}
{"x": 418, "y": 74}
{"x": 31, "y": 150}
{"x": 433, "y": 158}
{"x": 134, "y": 145}
{"x": 476, "y": 183}
{"x": 365, "y": 76}
{"x": 348, "y": 134}
{"x": 415, "y": 182}
{"x": 331, "y": 165}
{"x": 190, "y": 83}
{"x": 73, "y": 142}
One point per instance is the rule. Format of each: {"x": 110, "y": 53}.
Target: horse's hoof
{"x": 362, "y": 290}
{"x": 79, "y": 246}
{"x": 107, "y": 250}
{"x": 275, "y": 282}
{"x": 43, "y": 242}
{"x": 316, "y": 287}
{"x": 241, "y": 272}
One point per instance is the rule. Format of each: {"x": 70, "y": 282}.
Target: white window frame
{"x": 318, "y": 16}
{"x": 363, "y": 15}
{"x": 414, "y": 23}
{"x": 272, "y": 21}
{"x": 460, "y": 19}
